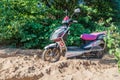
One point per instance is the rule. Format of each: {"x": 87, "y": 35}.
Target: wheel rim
{"x": 52, "y": 55}
{"x": 98, "y": 54}
{"x": 47, "y": 56}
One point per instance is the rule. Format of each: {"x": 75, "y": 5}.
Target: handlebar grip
{"x": 75, "y": 21}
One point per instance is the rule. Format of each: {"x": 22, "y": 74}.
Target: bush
{"x": 75, "y": 31}
{"x": 24, "y": 24}
{"x": 113, "y": 42}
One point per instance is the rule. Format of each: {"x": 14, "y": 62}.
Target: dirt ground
{"x": 16, "y": 64}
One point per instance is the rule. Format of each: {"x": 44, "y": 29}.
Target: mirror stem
{"x": 72, "y": 15}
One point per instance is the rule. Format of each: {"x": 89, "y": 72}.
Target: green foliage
{"x": 113, "y": 42}
{"x": 61, "y": 4}
{"x": 74, "y": 36}
{"x": 24, "y": 24}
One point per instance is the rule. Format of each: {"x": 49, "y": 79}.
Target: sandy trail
{"x": 26, "y": 67}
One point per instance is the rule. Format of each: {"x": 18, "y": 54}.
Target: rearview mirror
{"x": 77, "y": 10}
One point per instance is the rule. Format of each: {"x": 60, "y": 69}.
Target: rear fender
{"x": 101, "y": 36}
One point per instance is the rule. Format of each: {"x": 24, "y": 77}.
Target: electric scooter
{"x": 94, "y": 43}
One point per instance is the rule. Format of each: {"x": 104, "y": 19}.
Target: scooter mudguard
{"x": 51, "y": 46}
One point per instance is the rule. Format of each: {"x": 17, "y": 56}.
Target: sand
{"x": 31, "y": 67}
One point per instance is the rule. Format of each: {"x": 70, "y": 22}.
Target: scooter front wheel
{"x": 51, "y": 55}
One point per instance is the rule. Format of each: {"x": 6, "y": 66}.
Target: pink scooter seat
{"x": 92, "y": 36}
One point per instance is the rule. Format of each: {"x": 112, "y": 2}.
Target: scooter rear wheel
{"x": 98, "y": 54}
{"x": 51, "y": 55}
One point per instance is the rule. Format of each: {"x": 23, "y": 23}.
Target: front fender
{"x": 51, "y": 46}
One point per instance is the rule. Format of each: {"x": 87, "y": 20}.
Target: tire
{"x": 51, "y": 55}
{"x": 98, "y": 54}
